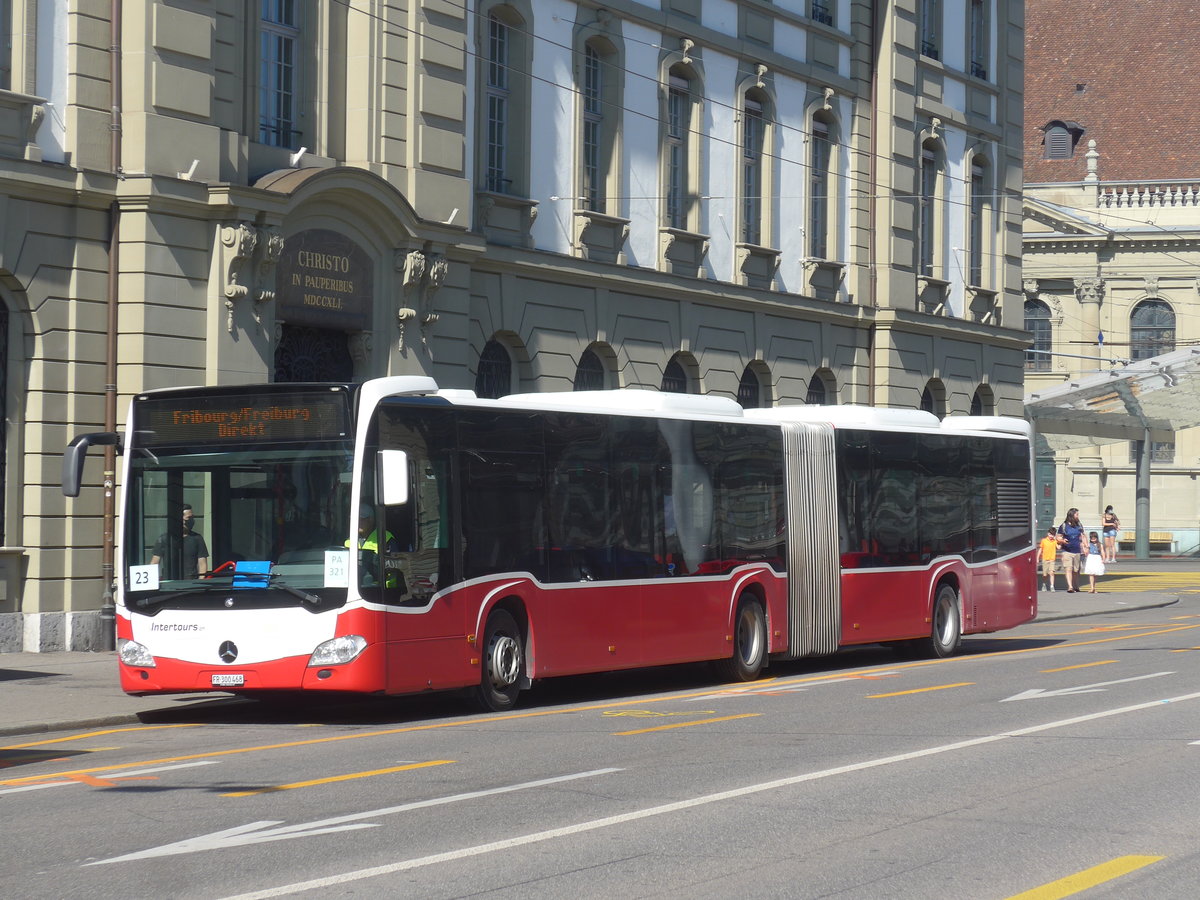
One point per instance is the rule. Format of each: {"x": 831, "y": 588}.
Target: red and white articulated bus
{"x": 391, "y": 537}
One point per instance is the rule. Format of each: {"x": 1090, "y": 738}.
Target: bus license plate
{"x": 228, "y": 679}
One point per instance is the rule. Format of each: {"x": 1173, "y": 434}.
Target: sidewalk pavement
{"x": 43, "y": 692}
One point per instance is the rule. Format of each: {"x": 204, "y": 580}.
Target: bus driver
{"x": 193, "y": 552}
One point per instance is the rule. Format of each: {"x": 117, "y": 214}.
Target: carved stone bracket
{"x": 424, "y": 274}
{"x": 271, "y": 248}
{"x": 248, "y": 265}
{"x": 239, "y": 242}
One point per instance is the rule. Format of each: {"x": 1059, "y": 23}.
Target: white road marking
{"x": 52, "y": 784}
{"x": 1037, "y": 693}
{"x": 334, "y": 881}
{"x": 262, "y": 832}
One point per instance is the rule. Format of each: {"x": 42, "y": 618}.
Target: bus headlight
{"x": 338, "y": 651}
{"x": 134, "y": 654}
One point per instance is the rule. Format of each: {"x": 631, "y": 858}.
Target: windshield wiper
{"x": 275, "y": 581}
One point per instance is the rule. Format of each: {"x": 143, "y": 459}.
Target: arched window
{"x": 755, "y": 122}
{"x": 1037, "y": 323}
{"x": 979, "y": 226}
{"x": 750, "y": 389}
{"x": 680, "y": 166}
{"x": 983, "y": 402}
{"x": 928, "y": 232}
{"x": 933, "y": 398}
{"x": 600, "y": 101}
{"x": 589, "y": 374}
{"x": 504, "y": 101}
{"x": 674, "y": 380}
{"x": 820, "y": 179}
{"x": 494, "y": 376}
{"x": 817, "y": 393}
{"x": 1151, "y": 329}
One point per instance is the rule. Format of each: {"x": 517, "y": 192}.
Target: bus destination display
{"x": 249, "y": 417}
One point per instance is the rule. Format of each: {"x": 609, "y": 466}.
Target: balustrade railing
{"x": 1139, "y": 195}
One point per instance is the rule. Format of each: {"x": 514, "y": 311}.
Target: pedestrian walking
{"x": 1049, "y": 556}
{"x": 1094, "y": 564}
{"x": 1071, "y": 542}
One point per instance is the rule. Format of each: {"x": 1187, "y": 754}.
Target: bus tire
{"x": 502, "y": 664}
{"x": 749, "y": 643}
{"x": 946, "y": 631}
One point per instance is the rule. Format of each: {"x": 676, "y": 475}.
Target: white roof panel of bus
{"x": 623, "y": 400}
{"x": 849, "y": 416}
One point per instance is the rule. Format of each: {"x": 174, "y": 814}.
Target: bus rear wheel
{"x": 502, "y": 664}
{"x": 749, "y": 643}
{"x": 946, "y": 633}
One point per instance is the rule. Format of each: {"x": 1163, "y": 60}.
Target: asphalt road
{"x": 1056, "y": 759}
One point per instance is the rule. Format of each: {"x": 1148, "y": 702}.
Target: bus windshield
{"x": 241, "y": 517}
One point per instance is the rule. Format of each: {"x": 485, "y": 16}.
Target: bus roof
{"x": 622, "y": 400}
{"x": 857, "y": 416}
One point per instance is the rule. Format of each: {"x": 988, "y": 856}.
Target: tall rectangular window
{"x": 979, "y": 207}
{"x": 593, "y": 125}
{"x": 753, "y": 139}
{"x": 280, "y": 35}
{"x": 980, "y": 38}
{"x": 819, "y": 158}
{"x": 931, "y": 28}
{"x": 679, "y": 120}
{"x": 496, "y": 166}
{"x": 6, "y": 45}
{"x": 927, "y": 203}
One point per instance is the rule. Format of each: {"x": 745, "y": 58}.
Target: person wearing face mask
{"x": 193, "y": 552}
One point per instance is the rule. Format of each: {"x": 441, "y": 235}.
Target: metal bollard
{"x": 108, "y": 627}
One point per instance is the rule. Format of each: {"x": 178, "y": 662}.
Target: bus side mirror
{"x": 76, "y": 453}
{"x": 391, "y": 474}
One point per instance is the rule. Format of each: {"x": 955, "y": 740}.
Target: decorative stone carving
{"x": 1152, "y": 286}
{"x": 359, "y": 345}
{"x": 1030, "y": 287}
{"x": 1089, "y": 290}
{"x": 424, "y": 274}
{"x": 271, "y": 248}
{"x": 239, "y": 242}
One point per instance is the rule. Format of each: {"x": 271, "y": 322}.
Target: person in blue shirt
{"x": 1070, "y": 539}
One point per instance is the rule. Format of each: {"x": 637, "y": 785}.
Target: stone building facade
{"x": 1112, "y": 239}
{"x": 805, "y": 201}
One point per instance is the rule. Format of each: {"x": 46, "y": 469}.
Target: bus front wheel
{"x": 946, "y": 633}
{"x": 749, "y": 643}
{"x": 502, "y": 664}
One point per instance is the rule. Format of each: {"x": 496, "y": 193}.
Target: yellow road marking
{"x": 92, "y": 734}
{"x": 654, "y": 714}
{"x": 685, "y": 724}
{"x": 537, "y": 714}
{"x": 336, "y": 778}
{"x": 1103, "y": 662}
{"x": 924, "y": 690}
{"x": 1185, "y": 649}
{"x": 1088, "y": 878}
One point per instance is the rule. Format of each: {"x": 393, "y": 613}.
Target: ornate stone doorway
{"x": 313, "y": 354}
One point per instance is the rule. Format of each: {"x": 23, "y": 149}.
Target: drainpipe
{"x": 108, "y": 610}
{"x": 872, "y": 201}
